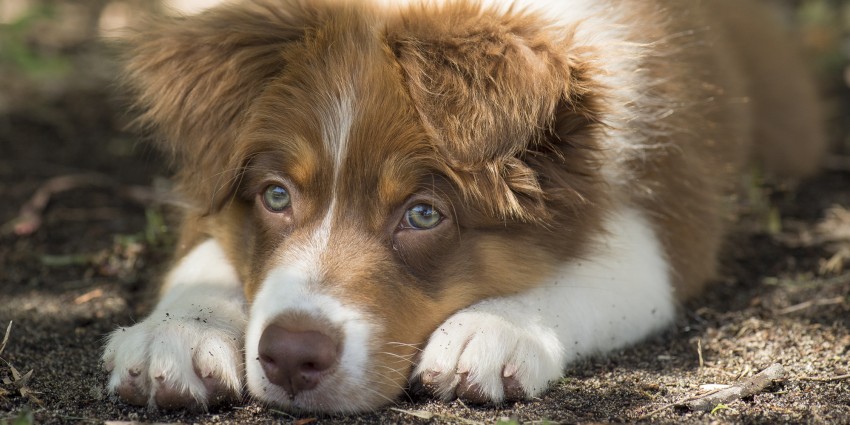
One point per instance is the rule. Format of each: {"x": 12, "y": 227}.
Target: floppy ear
{"x": 496, "y": 89}
{"x": 194, "y": 78}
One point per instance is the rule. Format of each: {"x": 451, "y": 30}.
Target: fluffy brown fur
{"x": 214, "y": 96}
{"x": 501, "y": 120}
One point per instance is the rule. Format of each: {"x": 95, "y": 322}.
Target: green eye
{"x": 276, "y": 198}
{"x": 422, "y": 217}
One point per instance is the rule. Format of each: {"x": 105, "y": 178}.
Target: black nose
{"x": 296, "y": 360}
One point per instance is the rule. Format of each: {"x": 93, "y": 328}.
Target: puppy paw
{"x": 188, "y": 361}
{"x": 483, "y": 356}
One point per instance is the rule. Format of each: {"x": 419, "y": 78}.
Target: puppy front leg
{"x": 512, "y": 347}
{"x": 187, "y": 352}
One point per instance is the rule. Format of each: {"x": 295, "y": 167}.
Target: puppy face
{"x": 369, "y": 174}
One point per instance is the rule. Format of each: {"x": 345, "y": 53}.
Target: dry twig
{"x": 726, "y": 393}
{"x": 745, "y": 388}
{"x": 426, "y": 415}
{"x": 6, "y": 337}
{"x": 824, "y": 378}
{"x": 811, "y": 303}
{"x": 31, "y": 214}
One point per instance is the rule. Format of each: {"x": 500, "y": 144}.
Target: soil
{"x": 783, "y": 297}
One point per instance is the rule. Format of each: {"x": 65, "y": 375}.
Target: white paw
{"x": 484, "y": 355}
{"x": 189, "y": 359}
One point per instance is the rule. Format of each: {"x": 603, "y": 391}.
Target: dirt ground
{"x": 784, "y": 295}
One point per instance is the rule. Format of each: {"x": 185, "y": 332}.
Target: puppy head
{"x": 372, "y": 172}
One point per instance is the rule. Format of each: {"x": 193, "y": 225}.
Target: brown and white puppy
{"x": 466, "y": 194}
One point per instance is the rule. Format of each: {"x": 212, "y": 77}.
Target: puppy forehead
{"x": 342, "y": 128}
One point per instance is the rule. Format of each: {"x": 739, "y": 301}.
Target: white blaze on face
{"x": 337, "y": 119}
{"x": 294, "y": 286}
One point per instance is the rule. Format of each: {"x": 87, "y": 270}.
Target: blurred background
{"x": 57, "y": 76}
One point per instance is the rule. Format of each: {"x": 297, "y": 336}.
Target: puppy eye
{"x": 422, "y": 217}
{"x": 276, "y": 198}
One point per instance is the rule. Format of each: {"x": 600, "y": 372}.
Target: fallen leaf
{"x": 15, "y": 374}
{"x": 88, "y": 296}
{"x": 25, "y": 378}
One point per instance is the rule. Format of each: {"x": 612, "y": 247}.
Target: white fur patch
{"x": 292, "y": 287}
{"x": 337, "y": 119}
{"x": 195, "y": 332}
{"x": 619, "y": 296}
{"x": 205, "y": 265}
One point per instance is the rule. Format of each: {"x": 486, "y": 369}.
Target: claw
{"x": 168, "y": 397}
{"x": 513, "y": 389}
{"x": 471, "y": 392}
{"x": 131, "y": 393}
